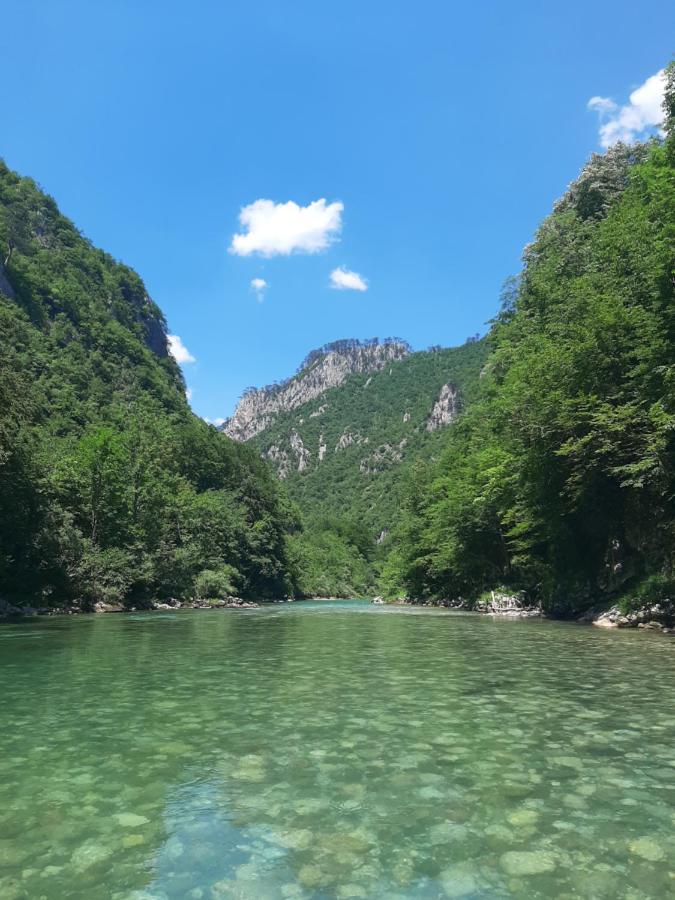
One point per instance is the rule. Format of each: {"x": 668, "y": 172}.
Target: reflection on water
{"x": 334, "y": 750}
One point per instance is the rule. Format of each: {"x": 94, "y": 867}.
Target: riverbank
{"x": 11, "y": 611}
{"x": 659, "y": 617}
{"x": 655, "y": 617}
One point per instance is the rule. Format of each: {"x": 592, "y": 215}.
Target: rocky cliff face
{"x": 344, "y": 431}
{"x": 323, "y": 369}
{"x": 445, "y": 409}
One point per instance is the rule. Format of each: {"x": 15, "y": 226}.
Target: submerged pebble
{"x": 524, "y": 862}
{"x": 290, "y": 763}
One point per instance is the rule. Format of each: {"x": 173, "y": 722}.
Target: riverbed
{"x": 334, "y": 749}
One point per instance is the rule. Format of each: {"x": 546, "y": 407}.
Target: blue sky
{"x": 438, "y": 134}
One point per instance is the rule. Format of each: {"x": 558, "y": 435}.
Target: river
{"x": 334, "y": 749}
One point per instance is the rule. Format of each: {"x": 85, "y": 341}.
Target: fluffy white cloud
{"x": 217, "y": 421}
{"x": 345, "y": 280}
{"x": 259, "y": 286}
{"x": 178, "y": 350}
{"x": 636, "y": 118}
{"x": 188, "y": 394}
{"x": 279, "y": 229}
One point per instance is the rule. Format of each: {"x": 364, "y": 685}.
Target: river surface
{"x": 323, "y": 750}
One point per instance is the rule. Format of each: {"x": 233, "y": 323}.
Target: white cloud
{"x": 178, "y": 350}
{"x": 635, "y": 119}
{"x": 602, "y": 105}
{"x": 279, "y": 229}
{"x": 259, "y": 286}
{"x": 217, "y": 421}
{"x": 345, "y": 280}
{"x": 188, "y": 394}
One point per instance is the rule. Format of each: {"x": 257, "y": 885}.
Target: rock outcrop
{"x": 656, "y": 616}
{"x": 445, "y": 409}
{"x": 323, "y": 369}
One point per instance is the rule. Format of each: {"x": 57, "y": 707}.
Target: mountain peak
{"x": 323, "y": 368}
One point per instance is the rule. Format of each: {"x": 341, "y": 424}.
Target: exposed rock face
{"x": 155, "y": 337}
{"x": 281, "y": 459}
{"x": 445, "y": 409}
{"x": 5, "y": 287}
{"x": 348, "y": 439}
{"x": 323, "y": 449}
{"x": 657, "y": 616}
{"x": 301, "y": 452}
{"x": 326, "y": 369}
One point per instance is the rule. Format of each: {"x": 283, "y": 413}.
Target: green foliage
{"x": 373, "y": 429}
{"x": 385, "y": 413}
{"x": 560, "y": 478}
{"x": 653, "y": 589}
{"x": 332, "y": 561}
{"x": 110, "y": 488}
{"x": 217, "y": 583}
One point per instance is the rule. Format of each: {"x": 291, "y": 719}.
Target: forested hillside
{"x": 110, "y": 488}
{"x": 560, "y": 479}
{"x": 343, "y": 452}
{"x": 346, "y": 449}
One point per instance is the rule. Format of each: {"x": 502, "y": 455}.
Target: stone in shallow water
{"x": 574, "y": 801}
{"x": 132, "y": 840}
{"x": 458, "y": 881}
{"x": 10, "y": 889}
{"x": 523, "y": 817}
{"x": 12, "y": 853}
{"x": 294, "y": 839}
{"x": 570, "y": 762}
{"x": 523, "y": 862}
{"x": 647, "y": 848}
{"x": 130, "y": 820}
{"x": 430, "y": 793}
{"x": 89, "y": 854}
{"x": 174, "y": 847}
{"x": 351, "y": 892}
{"x": 292, "y": 890}
{"x": 447, "y": 833}
{"x": 312, "y": 876}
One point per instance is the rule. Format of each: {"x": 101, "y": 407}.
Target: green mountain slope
{"x": 110, "y": 488}
{"x": 561, "y": 479}
{"x": 348, "y": 448}
{"x": 343, "y": 451}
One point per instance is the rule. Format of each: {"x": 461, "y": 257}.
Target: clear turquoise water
{"x": 334, "y": 750}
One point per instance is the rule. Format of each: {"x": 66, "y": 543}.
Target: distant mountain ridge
{"x": 322, "y": 369}
{"x": 342, "y": 432}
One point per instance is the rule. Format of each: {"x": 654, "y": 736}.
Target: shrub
{"x": 212, "y": 584}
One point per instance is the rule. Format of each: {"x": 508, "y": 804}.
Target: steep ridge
{"x": 111, "y": 490}
{"x": 323, "y": 369}
{"x": 560, "y": 483}
{"x": 347, "y": 446}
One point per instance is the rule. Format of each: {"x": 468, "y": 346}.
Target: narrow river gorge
{"x": 334, "y": 749}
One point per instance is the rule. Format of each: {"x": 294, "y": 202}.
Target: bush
{"x": 103, "y": 576}
{"x": 652, "y": 589}
{"x": 213, "y": 584}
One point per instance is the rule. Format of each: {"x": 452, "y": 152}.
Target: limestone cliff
{"x": 323, "y": 369}
{"x": 343, "y": 432}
